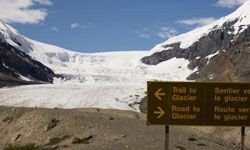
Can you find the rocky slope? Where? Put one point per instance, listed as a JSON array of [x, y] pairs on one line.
[[90, 129], [226, 42], [17, 67]]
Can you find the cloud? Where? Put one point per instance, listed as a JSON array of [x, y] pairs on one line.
[[167, 32], [143, 35], [88, 25], [146, 36], [146, 29], [74, 25], [44, 2], [23, 11], [197, 21], [162, 32], [54, 28], [229, 3]]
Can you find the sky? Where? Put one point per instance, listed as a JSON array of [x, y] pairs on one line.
[[110, 25]]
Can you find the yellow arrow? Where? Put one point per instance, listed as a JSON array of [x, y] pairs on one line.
[[160, 112], [158, 94]]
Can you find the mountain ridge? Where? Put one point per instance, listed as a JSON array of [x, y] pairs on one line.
[[228, 37], [239, 19]]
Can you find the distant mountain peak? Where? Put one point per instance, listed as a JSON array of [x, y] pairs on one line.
[[239, 19], [10, 35]]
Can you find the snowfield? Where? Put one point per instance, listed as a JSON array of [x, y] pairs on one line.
[[111, 80], [108, 67], [73, 96]]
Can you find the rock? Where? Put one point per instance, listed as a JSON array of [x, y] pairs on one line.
[[180, 148], [56, 140], [7, 119], [53, 123], [85, 140], [75, 140], [143, 105], [53, 141], [110, 118], [54, 147], [192, 139], [124, 135], [201, 144], [17, 137], [65, 137]]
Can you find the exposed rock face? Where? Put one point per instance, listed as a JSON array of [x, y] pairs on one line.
[[14, 63], [231, 61], [220, 68], [214, 41], [232, 64]]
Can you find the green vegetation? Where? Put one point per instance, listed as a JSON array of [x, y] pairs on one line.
[[20, 147]]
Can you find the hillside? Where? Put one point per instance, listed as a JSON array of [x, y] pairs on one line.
[[97, 129]]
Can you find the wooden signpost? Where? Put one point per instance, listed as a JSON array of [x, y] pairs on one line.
[[199, 104]]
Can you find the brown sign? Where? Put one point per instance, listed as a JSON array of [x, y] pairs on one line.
[[197, 103]]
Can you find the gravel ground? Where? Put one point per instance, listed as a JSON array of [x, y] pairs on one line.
[[92, 129]]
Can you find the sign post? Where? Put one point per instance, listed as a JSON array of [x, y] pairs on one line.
[[242, 146], [166, 137], [199, 104]]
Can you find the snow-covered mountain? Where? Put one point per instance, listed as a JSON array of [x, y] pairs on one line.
[[88, 68], [105, 80], [219, 51], [226, 38], [238, 22]]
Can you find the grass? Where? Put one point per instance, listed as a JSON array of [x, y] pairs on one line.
[[20, 147]]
